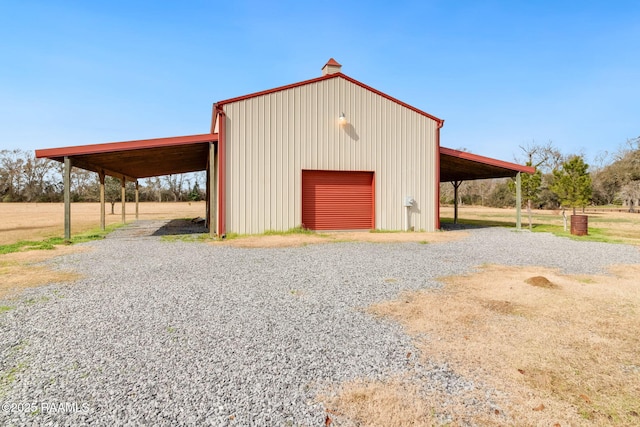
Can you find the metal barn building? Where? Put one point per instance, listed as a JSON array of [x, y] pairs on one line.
[[329, 153]]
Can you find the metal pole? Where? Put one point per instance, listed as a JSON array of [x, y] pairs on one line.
[[67, 198], [456, 185], [137, 198], [518, 201], [213, 188], [102, 212], [123, 182], [207, 200]]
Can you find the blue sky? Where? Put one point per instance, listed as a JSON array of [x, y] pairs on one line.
[[500, 73]]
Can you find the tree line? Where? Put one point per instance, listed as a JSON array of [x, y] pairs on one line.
[[561, 180], [25, 178]]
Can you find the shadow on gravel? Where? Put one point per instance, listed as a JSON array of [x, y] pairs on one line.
[[469, 224], [177, 227], [449, 226]]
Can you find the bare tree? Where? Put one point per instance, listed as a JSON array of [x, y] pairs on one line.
[[36, 175], [630, 193], [84, 185], [11, 182], [175, 185], [545, 157]]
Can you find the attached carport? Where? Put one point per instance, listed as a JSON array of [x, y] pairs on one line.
[[133, 160], [458, 166]]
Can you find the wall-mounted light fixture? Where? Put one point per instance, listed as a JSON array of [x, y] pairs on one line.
[[342, 119]]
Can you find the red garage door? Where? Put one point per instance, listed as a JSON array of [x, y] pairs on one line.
[[337, 200]]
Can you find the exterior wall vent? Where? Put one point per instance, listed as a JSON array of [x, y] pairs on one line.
[[331, 67]]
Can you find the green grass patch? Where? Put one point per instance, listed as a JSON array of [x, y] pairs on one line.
[[291, 231], [32, 301], [294, 230], [52, 242], [8, 376], [596, 234], [5, 308], [381, 230], [232, 235], [202, 237]]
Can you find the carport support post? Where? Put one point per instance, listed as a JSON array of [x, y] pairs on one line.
[[213, 188], [456, 185], [137, 198], [67, 198], [518, 201], [123, 183], [102, 213]]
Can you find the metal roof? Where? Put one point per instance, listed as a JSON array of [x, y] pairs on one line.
[[141, 158], [330, 76], [458, 165], [181, 154]]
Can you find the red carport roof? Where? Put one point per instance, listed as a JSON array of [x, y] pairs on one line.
[[189, 153], [141, 158], [458, 165]]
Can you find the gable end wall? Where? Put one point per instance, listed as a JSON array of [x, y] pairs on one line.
[[271, 138]]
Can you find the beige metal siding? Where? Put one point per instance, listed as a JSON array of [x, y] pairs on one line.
[[270, 139]]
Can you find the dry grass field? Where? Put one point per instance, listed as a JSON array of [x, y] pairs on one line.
[[544, 347], [33, 221], [604, 224], [549, 349]]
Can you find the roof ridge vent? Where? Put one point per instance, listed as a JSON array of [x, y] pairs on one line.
[[331, 67]]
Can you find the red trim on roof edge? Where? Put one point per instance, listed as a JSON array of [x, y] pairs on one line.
[[437, 178], [79, 150], [487, 160], [222, 170], [330, 76]]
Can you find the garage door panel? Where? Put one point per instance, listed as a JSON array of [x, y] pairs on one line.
[[337, 200]]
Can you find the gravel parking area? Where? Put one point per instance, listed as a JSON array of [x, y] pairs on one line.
[[171, 333]]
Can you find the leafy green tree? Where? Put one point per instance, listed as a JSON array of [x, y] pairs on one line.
[[195, 195], [572, 183], [501, 196], [112, 191]]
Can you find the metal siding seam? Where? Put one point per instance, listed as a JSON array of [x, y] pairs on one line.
[[233, 158], [282, 122], [326, 141], [270, 185], [260, 160], [247, 140], [379, 162], [299, 153], [293, 165], [240, 202]]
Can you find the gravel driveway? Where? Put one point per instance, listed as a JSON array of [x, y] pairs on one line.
[[170, 333]]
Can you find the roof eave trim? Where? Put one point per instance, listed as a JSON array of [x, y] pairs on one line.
[[219, 104], [79, 150], [487, 160]]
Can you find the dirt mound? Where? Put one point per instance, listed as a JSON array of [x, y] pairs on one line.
[[541, 282]]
